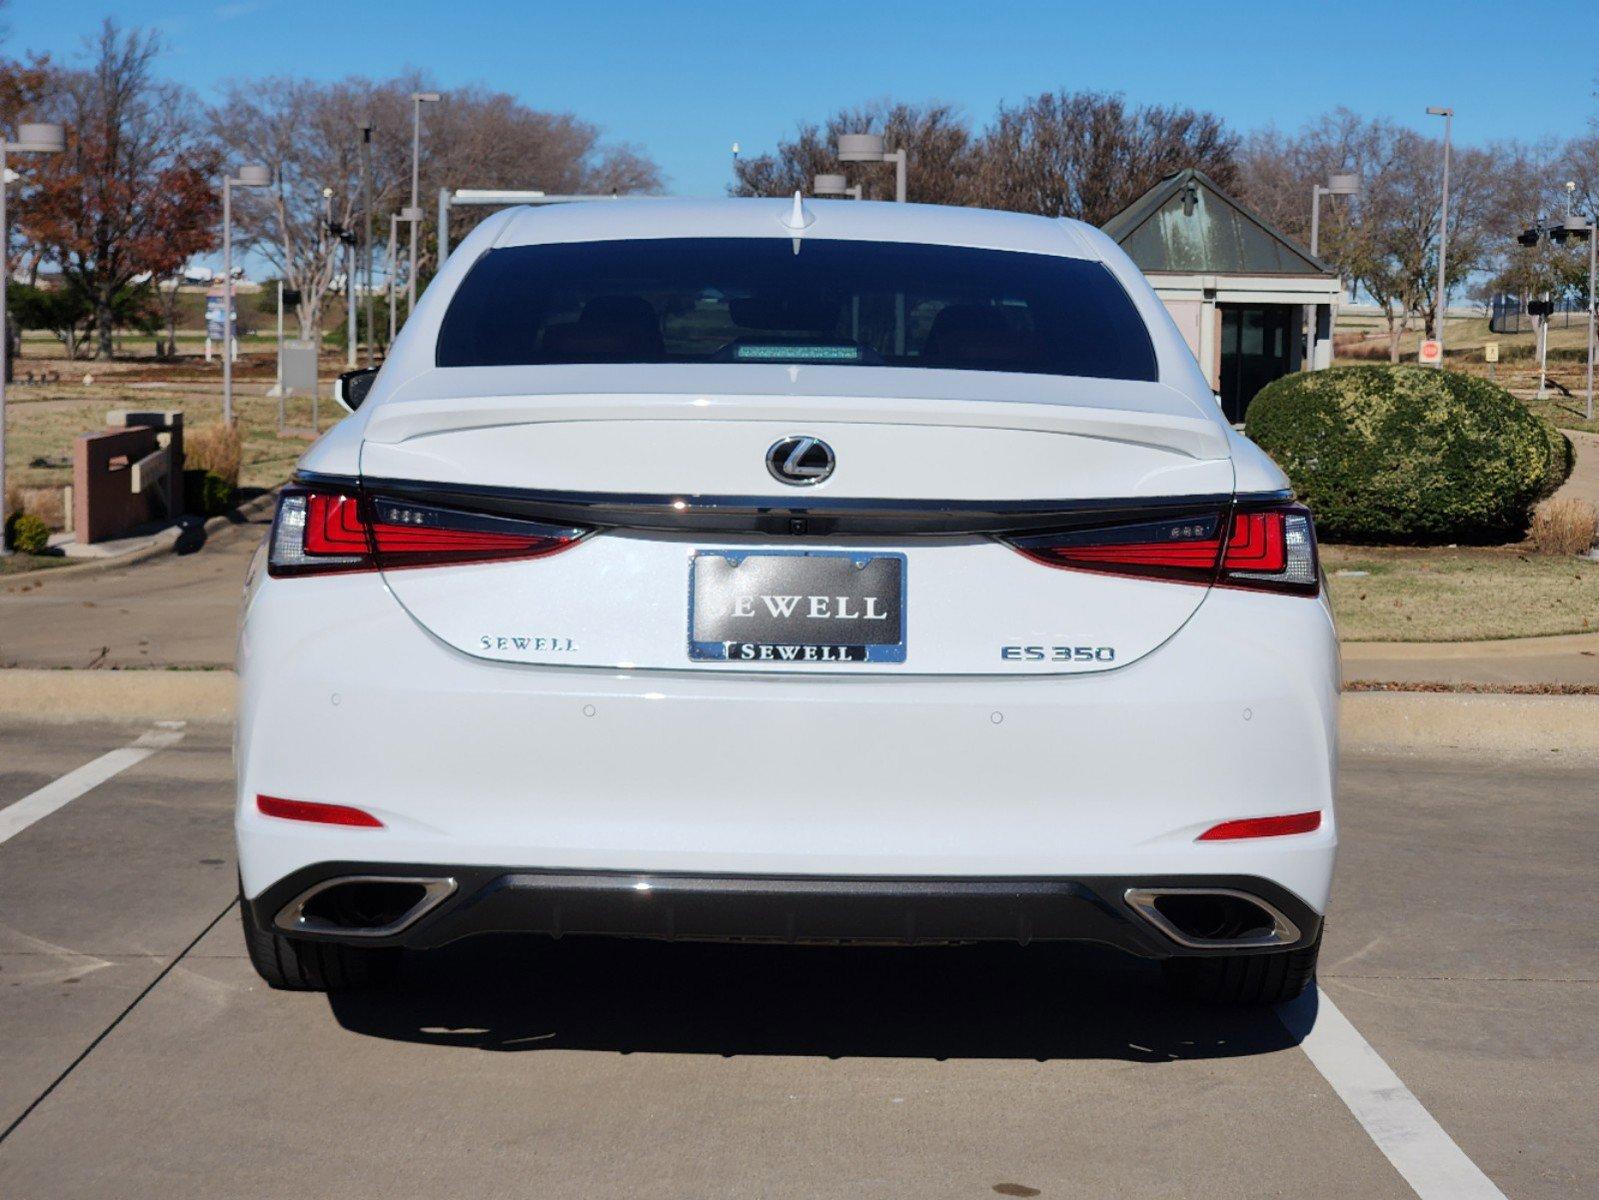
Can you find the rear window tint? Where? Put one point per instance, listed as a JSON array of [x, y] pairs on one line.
[[845, 303]]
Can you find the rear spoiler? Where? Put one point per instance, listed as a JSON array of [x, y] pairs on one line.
[[1144, 414]]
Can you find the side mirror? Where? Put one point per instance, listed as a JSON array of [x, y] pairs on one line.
[[350, 388]]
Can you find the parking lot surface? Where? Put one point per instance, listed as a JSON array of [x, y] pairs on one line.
[[142, 1057]]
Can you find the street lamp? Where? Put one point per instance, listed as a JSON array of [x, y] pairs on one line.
[[418, 99], [1342, 183], [835, 185], [1448, 114], [869, 147], [252, 175], [1584, 229], [31, 139]]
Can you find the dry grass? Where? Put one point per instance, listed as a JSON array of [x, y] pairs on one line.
[[1564, 526], [217, 448], [41, 427], [1458, 594]]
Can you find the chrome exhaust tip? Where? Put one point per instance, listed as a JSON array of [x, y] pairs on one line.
[[1213, 918], [363, 906]]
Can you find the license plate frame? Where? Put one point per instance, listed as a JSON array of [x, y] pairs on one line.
[[888, 647]]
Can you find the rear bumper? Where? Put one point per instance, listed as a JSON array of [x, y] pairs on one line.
[[783, 909], [498, 767]]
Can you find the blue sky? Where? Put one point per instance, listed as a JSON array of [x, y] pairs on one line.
[[684, 80]]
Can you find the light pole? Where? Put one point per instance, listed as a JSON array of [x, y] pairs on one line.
[[1343, 183], [366, 251], [252, 175], [31, 139], [1448, 114], [394, 238], [835, 185], [1586, 229], [418, 99], [869, 147]]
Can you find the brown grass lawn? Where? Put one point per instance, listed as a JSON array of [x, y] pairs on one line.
[[1460, 594], [43, 419]]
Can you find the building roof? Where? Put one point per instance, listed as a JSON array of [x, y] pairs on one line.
[[1186, 224]]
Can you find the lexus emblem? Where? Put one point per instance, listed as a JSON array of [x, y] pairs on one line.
[[800, 461]]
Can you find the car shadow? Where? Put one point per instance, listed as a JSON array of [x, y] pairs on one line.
[[1040, 1002]]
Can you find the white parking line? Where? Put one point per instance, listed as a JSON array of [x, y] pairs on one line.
[[35, 806], [1427, 1157]]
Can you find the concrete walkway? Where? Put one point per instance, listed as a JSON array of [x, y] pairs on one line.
[[1571, 660]]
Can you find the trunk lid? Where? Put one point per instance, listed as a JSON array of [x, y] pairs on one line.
[[690, 516]]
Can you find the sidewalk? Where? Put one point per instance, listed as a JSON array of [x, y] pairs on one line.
[[1571, 660]]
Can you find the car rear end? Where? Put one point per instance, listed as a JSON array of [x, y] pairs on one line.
[[876, 589]]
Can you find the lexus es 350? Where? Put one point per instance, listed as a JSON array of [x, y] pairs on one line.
[[790, 571]]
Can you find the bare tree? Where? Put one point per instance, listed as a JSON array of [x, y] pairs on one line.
[[935, 136], [1387, 238], [1088, 155], [307, 132]]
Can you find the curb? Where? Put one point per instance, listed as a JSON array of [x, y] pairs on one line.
[[1384, 722], [68, 695], [257, 506]]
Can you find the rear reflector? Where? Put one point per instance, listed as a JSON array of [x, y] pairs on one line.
[[1270, 548], [321, 814], [1259, 827], [318, 531]]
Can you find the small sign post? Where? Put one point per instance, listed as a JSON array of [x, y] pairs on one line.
[[1490, 355], [1432, 353]]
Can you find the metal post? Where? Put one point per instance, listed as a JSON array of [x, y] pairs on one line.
[[5, 340], [227, 299], [394, 236], [366, 252], [416, 186], [444, 225], [1593, 302], [1448, 114], [1316, 193], [900, 158], [351, 337]]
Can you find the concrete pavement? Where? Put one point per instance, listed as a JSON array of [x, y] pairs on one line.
[[1461, 944]]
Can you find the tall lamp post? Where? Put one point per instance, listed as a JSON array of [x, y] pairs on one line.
[[418, 99], [31, 139], [1448, 114], [869, 147], [252, 175], [366, 245], [1343, 183], [1585, 229], [835, 185]]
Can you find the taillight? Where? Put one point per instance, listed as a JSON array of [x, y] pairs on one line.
[[1267, 548], [318, 531], [1259, 827], [316, 812]]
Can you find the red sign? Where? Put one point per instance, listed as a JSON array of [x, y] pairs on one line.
[[1432, 353]]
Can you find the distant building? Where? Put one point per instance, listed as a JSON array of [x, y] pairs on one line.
[[1247, 298]]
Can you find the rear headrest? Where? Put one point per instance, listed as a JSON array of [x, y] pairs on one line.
[[609, 329], [973, 335]]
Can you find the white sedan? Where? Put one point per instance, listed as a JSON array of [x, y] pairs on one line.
[[790, 571]]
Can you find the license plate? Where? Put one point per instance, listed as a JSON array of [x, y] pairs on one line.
[[802, 606]]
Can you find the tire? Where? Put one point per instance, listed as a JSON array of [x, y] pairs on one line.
[[1243, 978], [302, 965]]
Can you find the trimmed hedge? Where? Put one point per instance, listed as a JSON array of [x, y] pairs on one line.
[[1409, 453]]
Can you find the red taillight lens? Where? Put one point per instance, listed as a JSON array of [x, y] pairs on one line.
[[319, 531], [1259, 827], [316, 812], [1272, 549]]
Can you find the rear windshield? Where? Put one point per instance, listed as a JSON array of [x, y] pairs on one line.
[[779, 300]]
